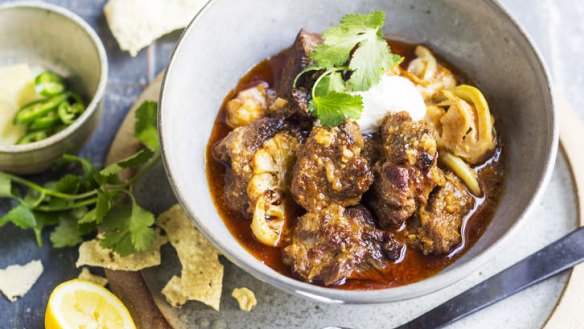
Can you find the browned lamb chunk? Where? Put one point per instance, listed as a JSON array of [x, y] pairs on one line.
[[297, 59], [338, 243], [331, 169], [436, 227], [392, 198], [373, 148], [407, 172]]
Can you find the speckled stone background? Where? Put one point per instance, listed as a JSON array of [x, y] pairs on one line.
[[557, 28]]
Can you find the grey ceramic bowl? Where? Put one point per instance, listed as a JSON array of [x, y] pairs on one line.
[[54, 38], [229, 37]]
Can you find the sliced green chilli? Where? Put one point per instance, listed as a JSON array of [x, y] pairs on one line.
[[66, 113], [48, 121], [78, 100], [38, 109], [49, 84], [32, 137]]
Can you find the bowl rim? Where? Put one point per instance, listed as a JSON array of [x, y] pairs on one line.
[[429, 285], [101, 87]]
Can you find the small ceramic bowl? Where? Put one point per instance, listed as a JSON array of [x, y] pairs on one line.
[[479, 37], [53, 38]]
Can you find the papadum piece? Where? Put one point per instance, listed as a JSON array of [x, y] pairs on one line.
[[201, 277], [91, 253], [137, 23], [86, 275], [16, 280]]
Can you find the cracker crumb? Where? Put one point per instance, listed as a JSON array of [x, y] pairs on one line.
[[245, 297]]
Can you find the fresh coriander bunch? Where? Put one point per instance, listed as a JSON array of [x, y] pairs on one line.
[[79, 205], [353, 57]]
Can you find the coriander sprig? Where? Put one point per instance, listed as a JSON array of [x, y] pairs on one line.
[[354, 48], [80, 205]]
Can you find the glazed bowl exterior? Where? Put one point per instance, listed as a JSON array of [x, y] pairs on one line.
[[229, 37], [54, 38]]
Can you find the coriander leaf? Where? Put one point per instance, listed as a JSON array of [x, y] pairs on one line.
[[373, 20], [136, 159], [145, 129], [333, 108], [116, 227], [103, 205], [20, 216], [50, 185], [43, 220], [329, 82], [78, 212], [369, 62], [47, 218], [33, 198], [69, 184], [142, 233], [128, 229], [67, 233], [355, 46], [5, 186], [340, 40], [89, 217], [67, 159], [329, 56], [108, 174]]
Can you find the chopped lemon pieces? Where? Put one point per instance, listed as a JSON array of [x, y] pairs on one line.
[[81, 304]]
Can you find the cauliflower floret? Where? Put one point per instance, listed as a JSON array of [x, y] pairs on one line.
[[271, 166], [248, 106], [429, 76], [269, 218]]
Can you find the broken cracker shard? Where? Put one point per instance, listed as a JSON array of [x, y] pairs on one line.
[[16, 280], [86, 275], [202, 274], [91, 253], [245, 298], [137, 23]]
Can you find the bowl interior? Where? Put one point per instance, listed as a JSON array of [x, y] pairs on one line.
[[47, 37], [54, 42], [476, 36]]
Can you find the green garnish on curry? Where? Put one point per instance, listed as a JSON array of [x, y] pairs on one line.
[[353, 57]]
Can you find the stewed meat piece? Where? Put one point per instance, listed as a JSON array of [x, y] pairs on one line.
[[435, 229], [408, 142], [239, 152], [373, 148], [336, 243], [331, 169], [407, 171], [392, 197], [297, 59]]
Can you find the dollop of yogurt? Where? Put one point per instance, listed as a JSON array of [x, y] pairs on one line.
[[391, 95]]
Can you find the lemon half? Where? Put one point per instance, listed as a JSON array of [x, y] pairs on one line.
[[81, 304]]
